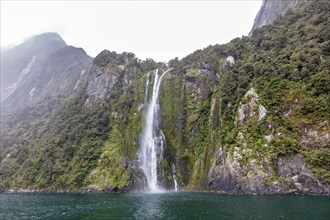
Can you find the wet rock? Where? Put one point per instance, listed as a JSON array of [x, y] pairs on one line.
[[137, 180]]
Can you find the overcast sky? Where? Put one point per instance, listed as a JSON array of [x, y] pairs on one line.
[[161, 30]]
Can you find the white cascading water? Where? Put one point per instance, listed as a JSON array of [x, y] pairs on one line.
[[152, 138], [176, 186], [146, 91]]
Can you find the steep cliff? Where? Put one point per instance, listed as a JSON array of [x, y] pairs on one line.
[[250, 116], [237, 118], [271, 10], [42, 67]]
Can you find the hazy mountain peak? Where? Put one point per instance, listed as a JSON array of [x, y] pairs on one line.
[[37, 68], [48, 37]]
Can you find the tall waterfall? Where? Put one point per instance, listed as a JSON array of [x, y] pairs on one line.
[[152, 138]]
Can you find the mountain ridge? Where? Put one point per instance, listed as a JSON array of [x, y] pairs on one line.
[[247, 117], [25, 84]]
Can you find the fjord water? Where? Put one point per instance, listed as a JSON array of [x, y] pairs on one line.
[[161, 206]]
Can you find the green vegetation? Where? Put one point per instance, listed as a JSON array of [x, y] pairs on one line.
[[60, 149], [287, 64]]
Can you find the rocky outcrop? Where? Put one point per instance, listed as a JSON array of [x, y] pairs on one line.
[[242, 169], [312, 139], [227, 62], [297, 175], [107, 71], [270, 10], [250, 108], [231, 173]]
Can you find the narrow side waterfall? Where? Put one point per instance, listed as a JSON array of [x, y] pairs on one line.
[[176, 186], [152, 138], [146, 91]]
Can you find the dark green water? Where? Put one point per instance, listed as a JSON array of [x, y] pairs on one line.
[[161, 206]]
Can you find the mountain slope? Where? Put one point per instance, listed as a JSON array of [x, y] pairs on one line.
[[250, 116], [42, 67], [16, 59]]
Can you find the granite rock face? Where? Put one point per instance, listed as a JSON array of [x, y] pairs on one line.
[[243, 171], [107, 72], [231, 174], [270, 10], [251, 108], [298, 176]]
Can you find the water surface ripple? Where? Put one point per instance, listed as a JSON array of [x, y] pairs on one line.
[[182, 205]]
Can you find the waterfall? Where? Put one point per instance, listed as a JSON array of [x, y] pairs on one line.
[[176, 186], [152, 138], [146, 91]]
